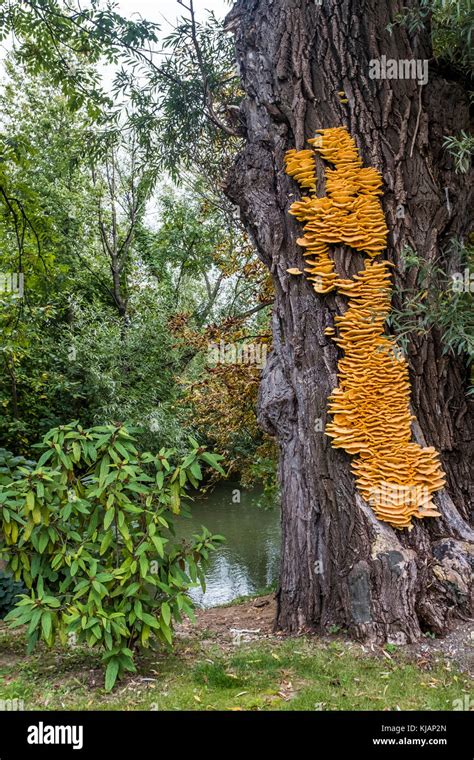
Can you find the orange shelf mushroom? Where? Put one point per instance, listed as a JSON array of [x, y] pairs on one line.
[[301, 165], [370, 408]]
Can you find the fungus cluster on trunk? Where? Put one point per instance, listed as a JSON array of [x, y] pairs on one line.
[[370, 408]]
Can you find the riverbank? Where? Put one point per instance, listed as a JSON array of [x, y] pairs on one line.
[[230, 659]]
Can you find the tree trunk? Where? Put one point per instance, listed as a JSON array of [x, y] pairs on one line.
[[339, 564]]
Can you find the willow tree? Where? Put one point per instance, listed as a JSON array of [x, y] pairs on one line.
[[306, 66]]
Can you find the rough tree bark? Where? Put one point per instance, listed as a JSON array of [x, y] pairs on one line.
[[339, 564]]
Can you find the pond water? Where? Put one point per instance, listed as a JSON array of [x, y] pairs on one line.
[[248, 561]]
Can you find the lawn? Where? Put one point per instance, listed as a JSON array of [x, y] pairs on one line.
[[204, 673]]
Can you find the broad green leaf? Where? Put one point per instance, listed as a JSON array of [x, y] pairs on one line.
[[144, 565], [158, 543], [43, 541], [51, 601], [111, 674], [150, 620], [44, 457], [166, 612], [108, 519], [46, 623], [104, 469], [212, 460], [175, 498], [132, 589], [106, 541], [196, 471], [166, 631]]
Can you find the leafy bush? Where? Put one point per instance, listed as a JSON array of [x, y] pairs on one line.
[[9, 464], [90, 530], [9, 591]]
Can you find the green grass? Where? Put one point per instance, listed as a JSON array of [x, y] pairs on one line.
[[275, 674]]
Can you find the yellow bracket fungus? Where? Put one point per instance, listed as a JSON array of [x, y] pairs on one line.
[[370, 408], [301, 165]]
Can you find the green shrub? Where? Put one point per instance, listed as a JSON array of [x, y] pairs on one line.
[[9, 464], [90, 531], [9, 591]]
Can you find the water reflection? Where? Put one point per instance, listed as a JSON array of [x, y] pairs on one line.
[[249, 559]]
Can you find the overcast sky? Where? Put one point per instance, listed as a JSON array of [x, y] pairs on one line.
[[159, 10]]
